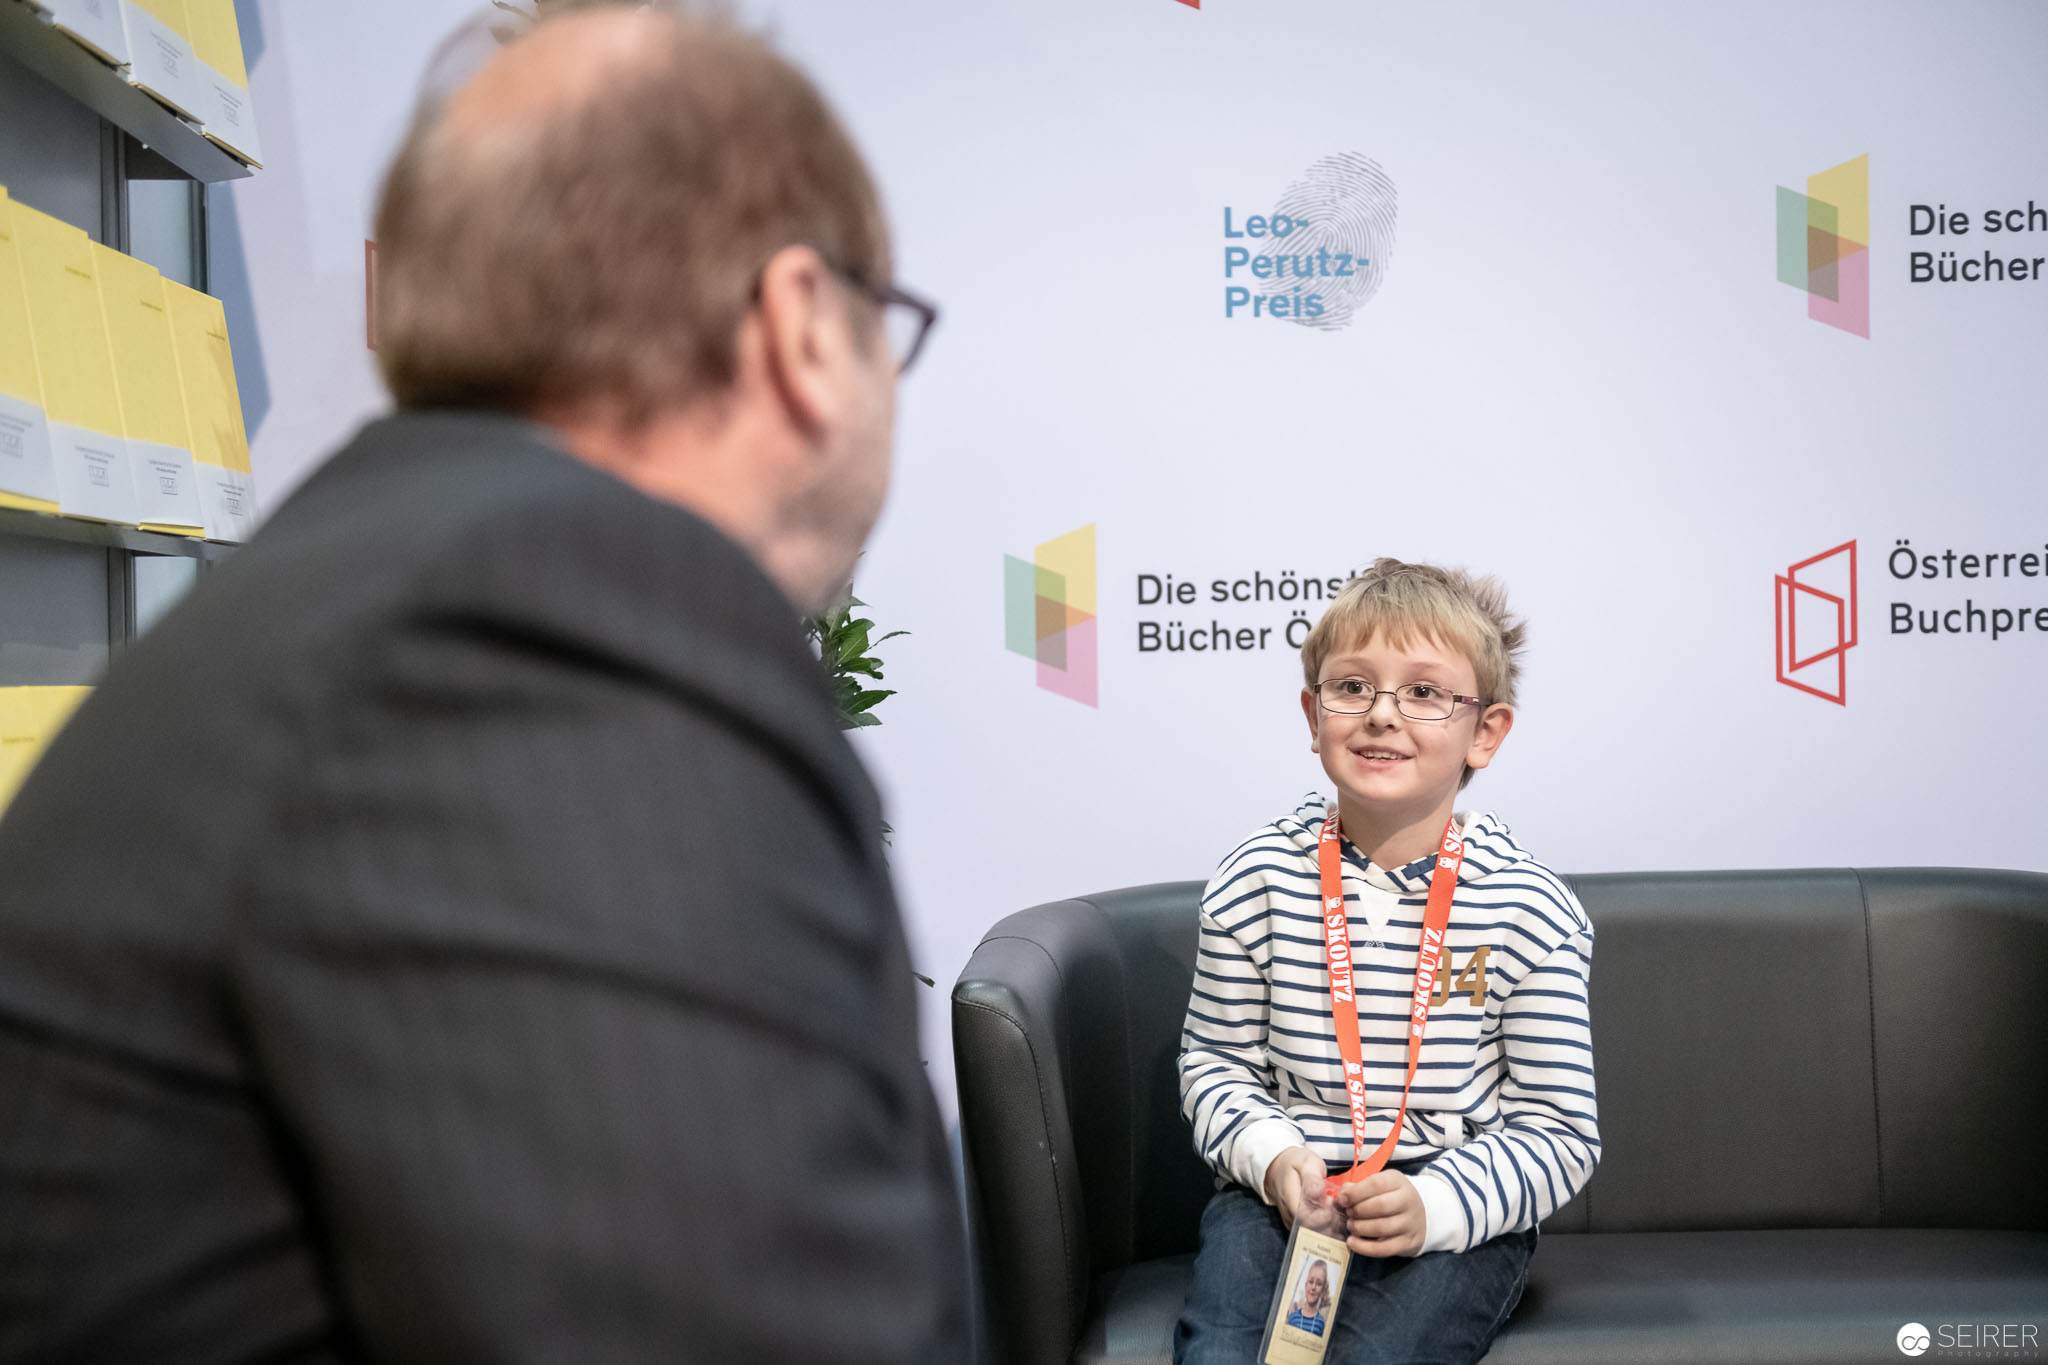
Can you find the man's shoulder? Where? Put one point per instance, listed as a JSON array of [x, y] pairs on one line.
[[432, 545], [484, 522], [403, 494], [416, 486]]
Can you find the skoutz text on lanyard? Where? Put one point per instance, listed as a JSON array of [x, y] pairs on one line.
[[1443, 885]]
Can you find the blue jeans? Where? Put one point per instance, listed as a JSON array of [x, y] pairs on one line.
[[1415, 1310]]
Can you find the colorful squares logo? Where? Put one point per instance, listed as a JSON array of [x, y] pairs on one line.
[[1817, 623], [1049, 613], [1824, 244]]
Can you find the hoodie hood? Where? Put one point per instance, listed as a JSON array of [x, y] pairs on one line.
[[1489, 848]]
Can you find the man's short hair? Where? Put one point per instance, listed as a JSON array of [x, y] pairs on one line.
[[606, 245], [1405, 603]]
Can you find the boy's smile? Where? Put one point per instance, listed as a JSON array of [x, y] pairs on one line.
[[1397, 777]]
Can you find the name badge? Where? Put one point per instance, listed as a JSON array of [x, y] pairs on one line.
[[1304, 1310]]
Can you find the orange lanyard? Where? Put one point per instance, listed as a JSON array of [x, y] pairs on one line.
[[1443, 885]]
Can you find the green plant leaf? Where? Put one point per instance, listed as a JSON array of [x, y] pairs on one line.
[[865, 700], [845, 644], [851, 641]]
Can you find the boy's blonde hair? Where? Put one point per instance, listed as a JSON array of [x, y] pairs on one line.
[[1407, 602]]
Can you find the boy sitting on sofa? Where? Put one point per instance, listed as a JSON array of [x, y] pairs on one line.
[[1436, 1188]]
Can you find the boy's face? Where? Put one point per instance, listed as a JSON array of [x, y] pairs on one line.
[[1386, 763], [1318, 1282]]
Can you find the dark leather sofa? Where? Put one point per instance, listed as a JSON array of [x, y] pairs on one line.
[[1823, 1103]]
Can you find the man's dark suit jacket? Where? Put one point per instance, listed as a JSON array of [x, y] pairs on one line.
[[460, 933]]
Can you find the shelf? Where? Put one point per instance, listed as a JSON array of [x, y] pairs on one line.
[[44, 526], [42, 49]]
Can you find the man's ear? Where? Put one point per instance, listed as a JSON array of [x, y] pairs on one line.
[[805, 339], [1493, 729], [1308, 709]]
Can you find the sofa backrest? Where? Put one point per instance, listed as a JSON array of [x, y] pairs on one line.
[[1828, 1048], [1831, 1048]]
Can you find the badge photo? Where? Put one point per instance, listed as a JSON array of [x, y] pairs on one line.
[[1304, 1308]]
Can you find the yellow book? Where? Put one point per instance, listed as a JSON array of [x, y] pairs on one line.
[[152, 399], [30, 718], [227, 116], [213, 404], [60, 281], [217, 39], [172, 14], [28, 476], [94, 25], [160, 57]]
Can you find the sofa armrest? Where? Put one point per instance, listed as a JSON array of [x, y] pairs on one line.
[[1013, 1051]]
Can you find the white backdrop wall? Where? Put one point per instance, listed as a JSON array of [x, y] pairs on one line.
[[1578, 370]]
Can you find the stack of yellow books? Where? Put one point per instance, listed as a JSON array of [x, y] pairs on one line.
[[187, 54], [117, 388]]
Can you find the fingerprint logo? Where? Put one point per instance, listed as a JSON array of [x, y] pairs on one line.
[[1345, 206]]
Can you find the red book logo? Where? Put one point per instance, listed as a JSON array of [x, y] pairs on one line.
[[1816, 612]]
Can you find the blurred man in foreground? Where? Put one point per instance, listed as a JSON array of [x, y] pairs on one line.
[[459, 932]]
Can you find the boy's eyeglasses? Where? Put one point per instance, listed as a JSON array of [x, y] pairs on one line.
[[1417, 701]]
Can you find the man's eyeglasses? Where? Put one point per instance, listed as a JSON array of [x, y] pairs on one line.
[[906, 319], [1417, 701]]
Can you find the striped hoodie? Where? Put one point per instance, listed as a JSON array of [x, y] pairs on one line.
[[1503, 1099]]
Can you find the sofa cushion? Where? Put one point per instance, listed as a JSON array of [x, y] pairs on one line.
[[1815, 1296], [1132, 1312], [1688, 1298]]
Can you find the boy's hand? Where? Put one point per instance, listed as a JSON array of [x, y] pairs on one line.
[[1294, 1186], [1384, 1215]]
